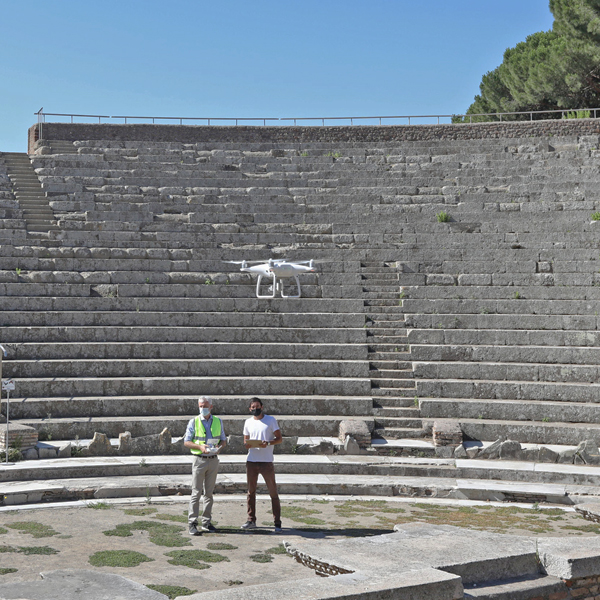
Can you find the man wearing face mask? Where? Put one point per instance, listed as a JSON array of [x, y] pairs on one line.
[[261, 433], [205, 437]]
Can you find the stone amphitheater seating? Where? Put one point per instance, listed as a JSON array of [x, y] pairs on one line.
[[124, 315]]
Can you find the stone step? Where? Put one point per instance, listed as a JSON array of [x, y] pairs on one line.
[[523, 588], [85, 427], [190, 350], [149, 405], [559, 356], [51, 387], [504, 337], [382, 394], [45, 341], [390, 374], [186, 367], [398, 422], [391, 433], [507, 390], [155, 486]]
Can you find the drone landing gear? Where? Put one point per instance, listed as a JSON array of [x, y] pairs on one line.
[[276, 286]]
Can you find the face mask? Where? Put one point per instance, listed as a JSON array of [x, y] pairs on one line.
[[205, 412], [257, 412]]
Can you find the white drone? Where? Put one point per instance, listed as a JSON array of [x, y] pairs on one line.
[[276, 269]]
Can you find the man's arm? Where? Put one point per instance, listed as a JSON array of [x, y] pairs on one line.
[[200, 447], [277, 440]]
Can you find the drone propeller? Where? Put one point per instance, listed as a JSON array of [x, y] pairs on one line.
[[242, 262]]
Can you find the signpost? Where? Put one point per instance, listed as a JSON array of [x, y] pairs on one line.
[[10, 385], [7, 386]]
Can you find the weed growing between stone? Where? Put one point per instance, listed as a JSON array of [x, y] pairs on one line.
[[233, 582], [100, 505], [171, 591], [160, 534], [37, 530], [118, 558], [7, 570], [195, 559]]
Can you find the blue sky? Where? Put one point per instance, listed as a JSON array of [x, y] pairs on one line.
[[250, 58]]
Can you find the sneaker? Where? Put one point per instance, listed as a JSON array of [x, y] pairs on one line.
[[248, 525], [210, 528], [278, 528], [193, 529]]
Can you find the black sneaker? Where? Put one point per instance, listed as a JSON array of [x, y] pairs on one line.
[[193, 529], [278, 528], [210, 528]]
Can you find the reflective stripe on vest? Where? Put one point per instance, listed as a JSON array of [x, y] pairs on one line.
[[200, 432]]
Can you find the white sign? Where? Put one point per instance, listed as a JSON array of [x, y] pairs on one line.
[[8, 385]]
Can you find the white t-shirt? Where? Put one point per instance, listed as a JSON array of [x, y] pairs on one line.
[[261, 429]]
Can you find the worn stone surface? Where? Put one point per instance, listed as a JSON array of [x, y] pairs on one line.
[[69, 585]]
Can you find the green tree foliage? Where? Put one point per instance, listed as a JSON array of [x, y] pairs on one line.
[[550, 70]]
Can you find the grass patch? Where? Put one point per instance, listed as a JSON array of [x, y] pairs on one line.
[[3, 530], [140, 512], [7, 570], [583, 529], [195, 559], [99, 505], [276, 550], [7, 549], [172, 591], [262, 558], [37, 530], [160, 534], [220, 546], [166, 517], [302, 515], [118, 558], [37, 550], [233, 582]]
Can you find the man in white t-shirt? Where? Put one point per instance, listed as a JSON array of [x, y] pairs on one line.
[[261, 433]]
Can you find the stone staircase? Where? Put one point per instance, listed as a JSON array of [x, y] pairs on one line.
[[390, 367], [36, 209]]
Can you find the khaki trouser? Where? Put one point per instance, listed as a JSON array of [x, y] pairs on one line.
[[204, 477], [266, 469]]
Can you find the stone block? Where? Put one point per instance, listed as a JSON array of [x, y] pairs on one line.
[[492, 451], [351, 445], [588, 452], [100, 445], [64, 450], [30, 454], [510, 450], [356, 428], [47, 452], [447, 433], [547, 455], [460, 452]]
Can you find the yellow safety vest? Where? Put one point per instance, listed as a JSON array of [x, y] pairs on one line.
[[200, 432]]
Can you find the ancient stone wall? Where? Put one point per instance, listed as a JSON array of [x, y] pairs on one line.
[[362, 133]]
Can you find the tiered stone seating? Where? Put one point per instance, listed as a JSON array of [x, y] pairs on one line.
[[125, 315]]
